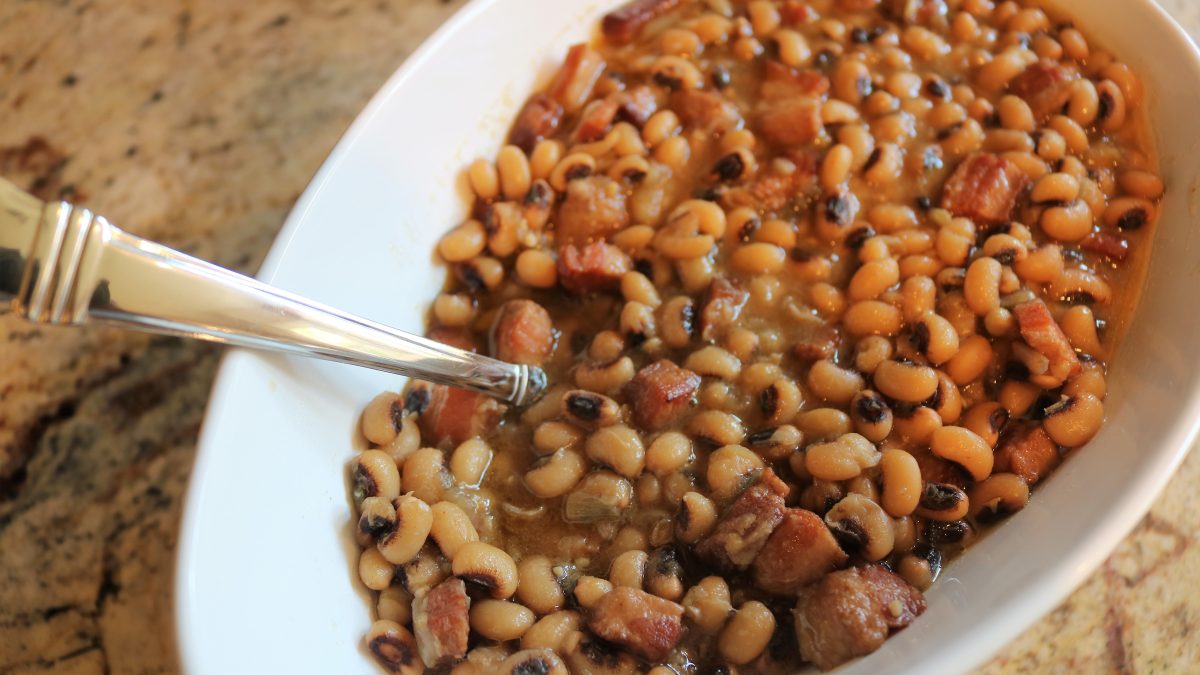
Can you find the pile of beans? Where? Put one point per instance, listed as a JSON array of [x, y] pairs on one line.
[[822, 289]]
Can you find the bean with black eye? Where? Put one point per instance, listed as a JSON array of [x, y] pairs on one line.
[[775, 443], [395, 604], [987, 419], [394, 647], [425, 475], [414, 520], [664, 574], [905, 381], [696, 517], [946, 533], [601, 495], [1001, 495], [734, 166], [780, 401], [934, 338], [835, 214], [942, 501], [374, 570], [375, 475], [533, 662], [1073, 421], [382, 418], [590, 410], [377, 518], [861, 526], [551, 630], [451, 527], [871, 415], [921, 567], [487, 566]]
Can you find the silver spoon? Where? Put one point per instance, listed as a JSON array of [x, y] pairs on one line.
[[64, 265]]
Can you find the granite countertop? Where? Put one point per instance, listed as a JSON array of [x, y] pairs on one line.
[[199, 124]]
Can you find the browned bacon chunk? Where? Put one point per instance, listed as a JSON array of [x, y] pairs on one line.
[[660, 393], [572, 87], [800, 551], [850, 613], [783, 81], [744, 528], [453, 415], [722, 307], [1111, 246], [441, 623], [596, 119], [1027, 451], [624, 23], [772, 191], [794, 120], [1041, 331], [637, 104], [706, 110], [815, 339], [1045, 86], [594, 207], [537, 120], [645, 624], [593, 267], [522, 333], [984, 188]]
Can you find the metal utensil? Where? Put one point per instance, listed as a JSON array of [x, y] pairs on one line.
[[63, 265]]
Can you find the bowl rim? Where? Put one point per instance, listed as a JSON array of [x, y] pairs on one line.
[[976, 643]]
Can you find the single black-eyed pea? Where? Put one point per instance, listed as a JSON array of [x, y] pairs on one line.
[[677, 321], [668, 452], [487, 566], [1112, 111], [747, 633], [942, 501], [637, 323], [707, 605], [905, 381], [376, 518], [374, 570], [863, 485], [861, 526], [537, 585], [823, 423], [712, 361], [1076, 284], [973, 356], [375, 475], [425, 571], [775, 443], [500, 620], [696, 517], [871, 415], [664, 574], [870, 351], [999, 322], [601, 495], [872, 317], [921, 567], [394, 647], [1001, 495], [730, 469], [780, 401], [606, 378], [901, 482], [981, 285], [833, 383], [841, 459], [629, 569], [590, 410], [451, 527], [382, 418], [589, 590], [1079, 325], [965, 448], [550, 631], [618, 447], [873, 278], [917, 425], [470, 460], [556, 474], [543, 661], [550, 436], [414, 520], [395, 604], [836, 213], [1017, 397], [716, 427], [1068, 222], [1089, 380], [1073, 421], [425, 475], [934, 338], [758, 376], [986, 419], [947, 401]]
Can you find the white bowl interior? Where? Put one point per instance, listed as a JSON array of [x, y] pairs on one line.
[[267, 571]]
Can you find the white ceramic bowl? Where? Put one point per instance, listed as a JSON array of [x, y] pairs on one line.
[[266, 577]]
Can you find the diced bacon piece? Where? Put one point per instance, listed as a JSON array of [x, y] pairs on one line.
[[522, 333], [722, 306], [782, 81], [794, 120], [637, 104], [597, 119], [623, 24], [645, 624], [1111, 246], [660, 393], [771, 191], [454, 415], [572, 87], [815, 339], [746, 525], [1027, 451], [593, 208], [1045, 86], [594, 267], [923, 12], [1041, 331], [441, 623], [706, 110], [934, 469], [800, 551], [538, 119], [984, 188], [850, 613]]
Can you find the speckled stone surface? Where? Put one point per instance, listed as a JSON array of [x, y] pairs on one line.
[[198, 123]]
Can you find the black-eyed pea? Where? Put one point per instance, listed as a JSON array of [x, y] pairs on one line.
[[636, 287], [1001, 495], [550, 631], [629, 569], [463, 242], [965, 448], [425, 571], [664, 574], [861, 527], [374, 570], [590, 410], [1113, 110], [376, 518], [1089, 380], [618, 447], [901, 482], [470, 460], [833, 383], [981, 286], [1069, 222], [537, 585], [986, 419], [1141, 184], [884, 165], [942, 502], [872, 317], [551, 436], [696, 517], [668, 452], [606, 378], [918, 295], [758, 258], [714, 361], [716, 427], [917, 426], [824, 423], [873, 278], [1074, 135], [500, 620], [836, 213], [999, 322], [775, 443], [375, 475], [730, 469], [947, 401], [1042, 265], [451, 528], [394, 647], [1079, 325], [841, 459], [395, 604], [870, 351], [871, 415], [707, 605], [695, 274], [904, 532], [589, 590], [542, 661], [556, 474], [973, 356], [677, 322], [905, 381], [487, 566], [1077, 283], [835, 167], [425, 475], [414, 520], [382, 418], [747, 634], [828, 300], [1074, 420], [1005, 248], [1017, 396], [601, 495], [934, 338]]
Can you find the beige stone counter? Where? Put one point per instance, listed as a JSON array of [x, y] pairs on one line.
[[198, 123]]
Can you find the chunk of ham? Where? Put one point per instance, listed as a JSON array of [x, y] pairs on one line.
[[722, 306], [635, 105], [984, 188], [794, 120], [644, 624], [572, 86], [1027, 451], [538, 119], [660, 393], [453, 415], [593, 208], [1045, 86], [850, 613], [592, 267], [441, 623], [744, 528], [706, 110], [1040, 331], [1111, 246], [623, 24], [522, 333], [800, 551]]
